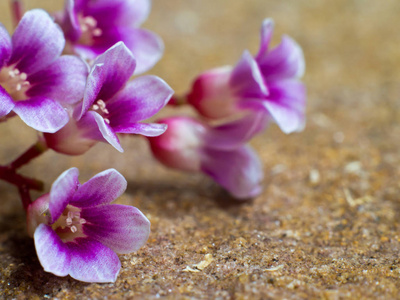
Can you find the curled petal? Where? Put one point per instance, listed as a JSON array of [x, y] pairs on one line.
[[107, 131], [267, 30], [37, 42], [62, 191], [238, 171], [42, 114], [100, 189], [246, 79], [150, 130], [122, 228]]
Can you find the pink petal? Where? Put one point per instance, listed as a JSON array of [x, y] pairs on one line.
[[140, 99], [91, 261], [246, 79], [122, 228], [103, 188], [37, 42], [107, 131], [286, 104], [239, 171], [151, 130], [236, 133], [283, 62], [64, 80], [62, 192], [42, 114], [267, 30], [6, 102], [5, 46], [110, 72], [53, 254]]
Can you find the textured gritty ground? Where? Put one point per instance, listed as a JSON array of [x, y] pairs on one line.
[[326, 225]]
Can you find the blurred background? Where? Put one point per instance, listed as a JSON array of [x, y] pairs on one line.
[[326, 225]]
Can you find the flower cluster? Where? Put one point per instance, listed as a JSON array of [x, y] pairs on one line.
[[257, 90], [72, 76]]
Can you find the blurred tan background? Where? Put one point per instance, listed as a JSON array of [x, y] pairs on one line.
[[326, 225]]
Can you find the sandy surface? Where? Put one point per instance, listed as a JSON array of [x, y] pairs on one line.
[[326, 225]]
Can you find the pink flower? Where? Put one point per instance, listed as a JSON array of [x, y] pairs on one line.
[[93, 26], [268, 82], [112, 105], [218, 151], [35, 82], [77, 231]]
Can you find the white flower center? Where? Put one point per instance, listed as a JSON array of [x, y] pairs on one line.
[[89, 30], [14, 82], [101, 109], [69, 225]]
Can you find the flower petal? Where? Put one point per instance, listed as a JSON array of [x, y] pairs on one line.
[[62, 192], [238, 171], [103, 188], [146, 46], [6, 102], [267, 30], [53, 254], [107, 131], [69, 20], [246, 79], [42, 114], [234, 134], [284, 61], [110, 13], [151, 130], [110, 72], [5, 46], [122, 228], [211, 94], [140, 99], [37, 42], [64, 80], [92, 262], [286, 104]]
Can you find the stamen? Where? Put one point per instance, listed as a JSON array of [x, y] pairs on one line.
[[74, 229], [97, 32], [23, 76], [107, 120]]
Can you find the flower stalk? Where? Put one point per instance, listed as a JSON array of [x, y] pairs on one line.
[[34, 151]]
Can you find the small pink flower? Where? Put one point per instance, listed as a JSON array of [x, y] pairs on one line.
[[218, 151], [35, 82], [93, 26], [112, 104], [268, 82], [77, 231]]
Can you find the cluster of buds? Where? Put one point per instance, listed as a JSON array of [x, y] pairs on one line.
[[68, 76]]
